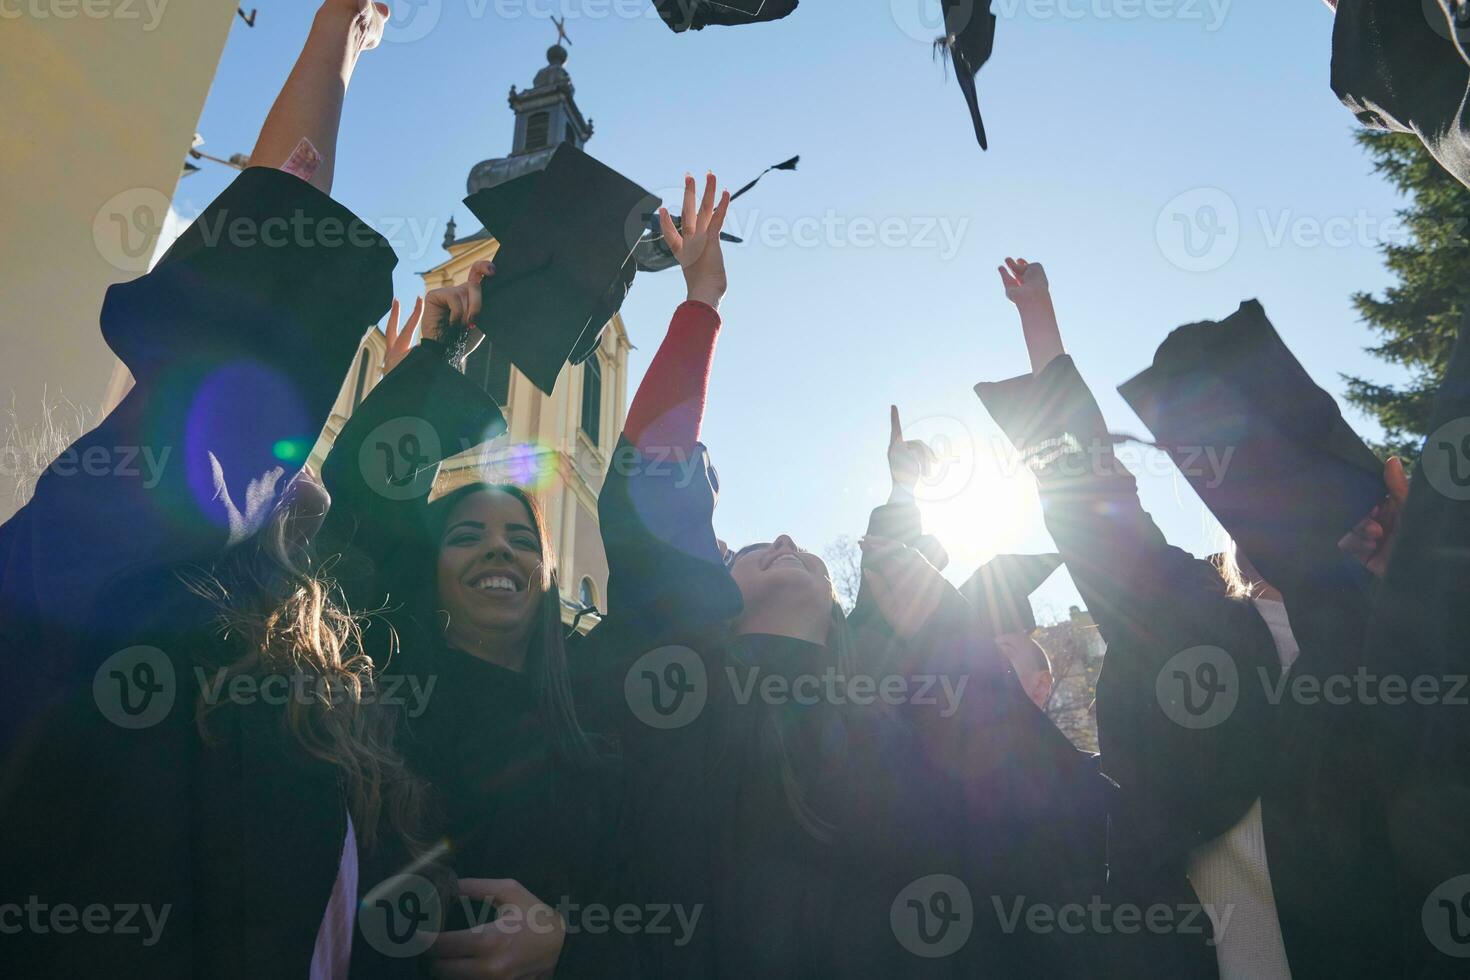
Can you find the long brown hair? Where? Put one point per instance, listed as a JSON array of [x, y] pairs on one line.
[[546, 651], [289, 619]]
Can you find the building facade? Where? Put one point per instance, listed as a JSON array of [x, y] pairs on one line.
[[557, 447], [101, 103], [1076, 649]]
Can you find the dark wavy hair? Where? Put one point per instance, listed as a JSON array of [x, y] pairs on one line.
[[546, 651], [774, 742]]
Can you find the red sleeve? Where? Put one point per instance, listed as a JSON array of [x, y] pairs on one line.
[[668, 409]]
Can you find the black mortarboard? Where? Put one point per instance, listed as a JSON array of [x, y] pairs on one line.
[[1000, 591], [969, 40], [1265, 448], [696, 15], [1403, 65], [565, 262], [654, 254]]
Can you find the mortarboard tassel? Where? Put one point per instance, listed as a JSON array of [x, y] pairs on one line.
[[968, 41], [947, 47], [655, 255], [788, 165]]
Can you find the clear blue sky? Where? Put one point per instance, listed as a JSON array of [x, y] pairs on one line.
[[850, 295]]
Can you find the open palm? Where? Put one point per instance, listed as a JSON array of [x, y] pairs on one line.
[[696, 244]]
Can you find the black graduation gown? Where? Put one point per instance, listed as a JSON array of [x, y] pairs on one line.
[[1184, 785], [1013, 775], [710, 828], [899, 797], [668, 590], [1420, 626], [514, 808], [235, 345]]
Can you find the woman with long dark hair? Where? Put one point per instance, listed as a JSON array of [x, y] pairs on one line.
[[528, 804]]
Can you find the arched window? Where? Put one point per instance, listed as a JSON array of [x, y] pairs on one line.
[[362, 370], [587, 592], [592, 399]]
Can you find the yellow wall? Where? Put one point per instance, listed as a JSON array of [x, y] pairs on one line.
[[98, 104]]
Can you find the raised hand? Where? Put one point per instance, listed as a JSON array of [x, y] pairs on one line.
[[909, 461], [524, 940], [1026, 286], [1372, 541], [309, 106], [906, 589], [697, 243], [400, 342], [1024, 281], [451, 312], [367, 20]]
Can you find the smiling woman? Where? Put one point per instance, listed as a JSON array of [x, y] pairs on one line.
[[493, 573]]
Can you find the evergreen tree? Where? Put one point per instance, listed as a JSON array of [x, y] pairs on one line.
[[1419, 317]]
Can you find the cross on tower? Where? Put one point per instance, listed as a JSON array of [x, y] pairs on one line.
[[561, 30]]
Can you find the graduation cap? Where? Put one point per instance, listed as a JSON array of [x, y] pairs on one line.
[[1265, 448], [1000, 591], [565, 262], [654, 254], [686, 15], [969, 40], [1404, 65]]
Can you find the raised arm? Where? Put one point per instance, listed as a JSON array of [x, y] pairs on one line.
[[300, 133], [1026, 286], [657, 504], [668, 408], [238, 341], [1152, 602]]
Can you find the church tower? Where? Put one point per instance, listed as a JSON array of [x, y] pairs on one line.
[[546, 115]]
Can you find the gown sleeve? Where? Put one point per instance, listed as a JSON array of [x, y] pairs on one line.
[[239, 340], [1159, 610], [667, 580]]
